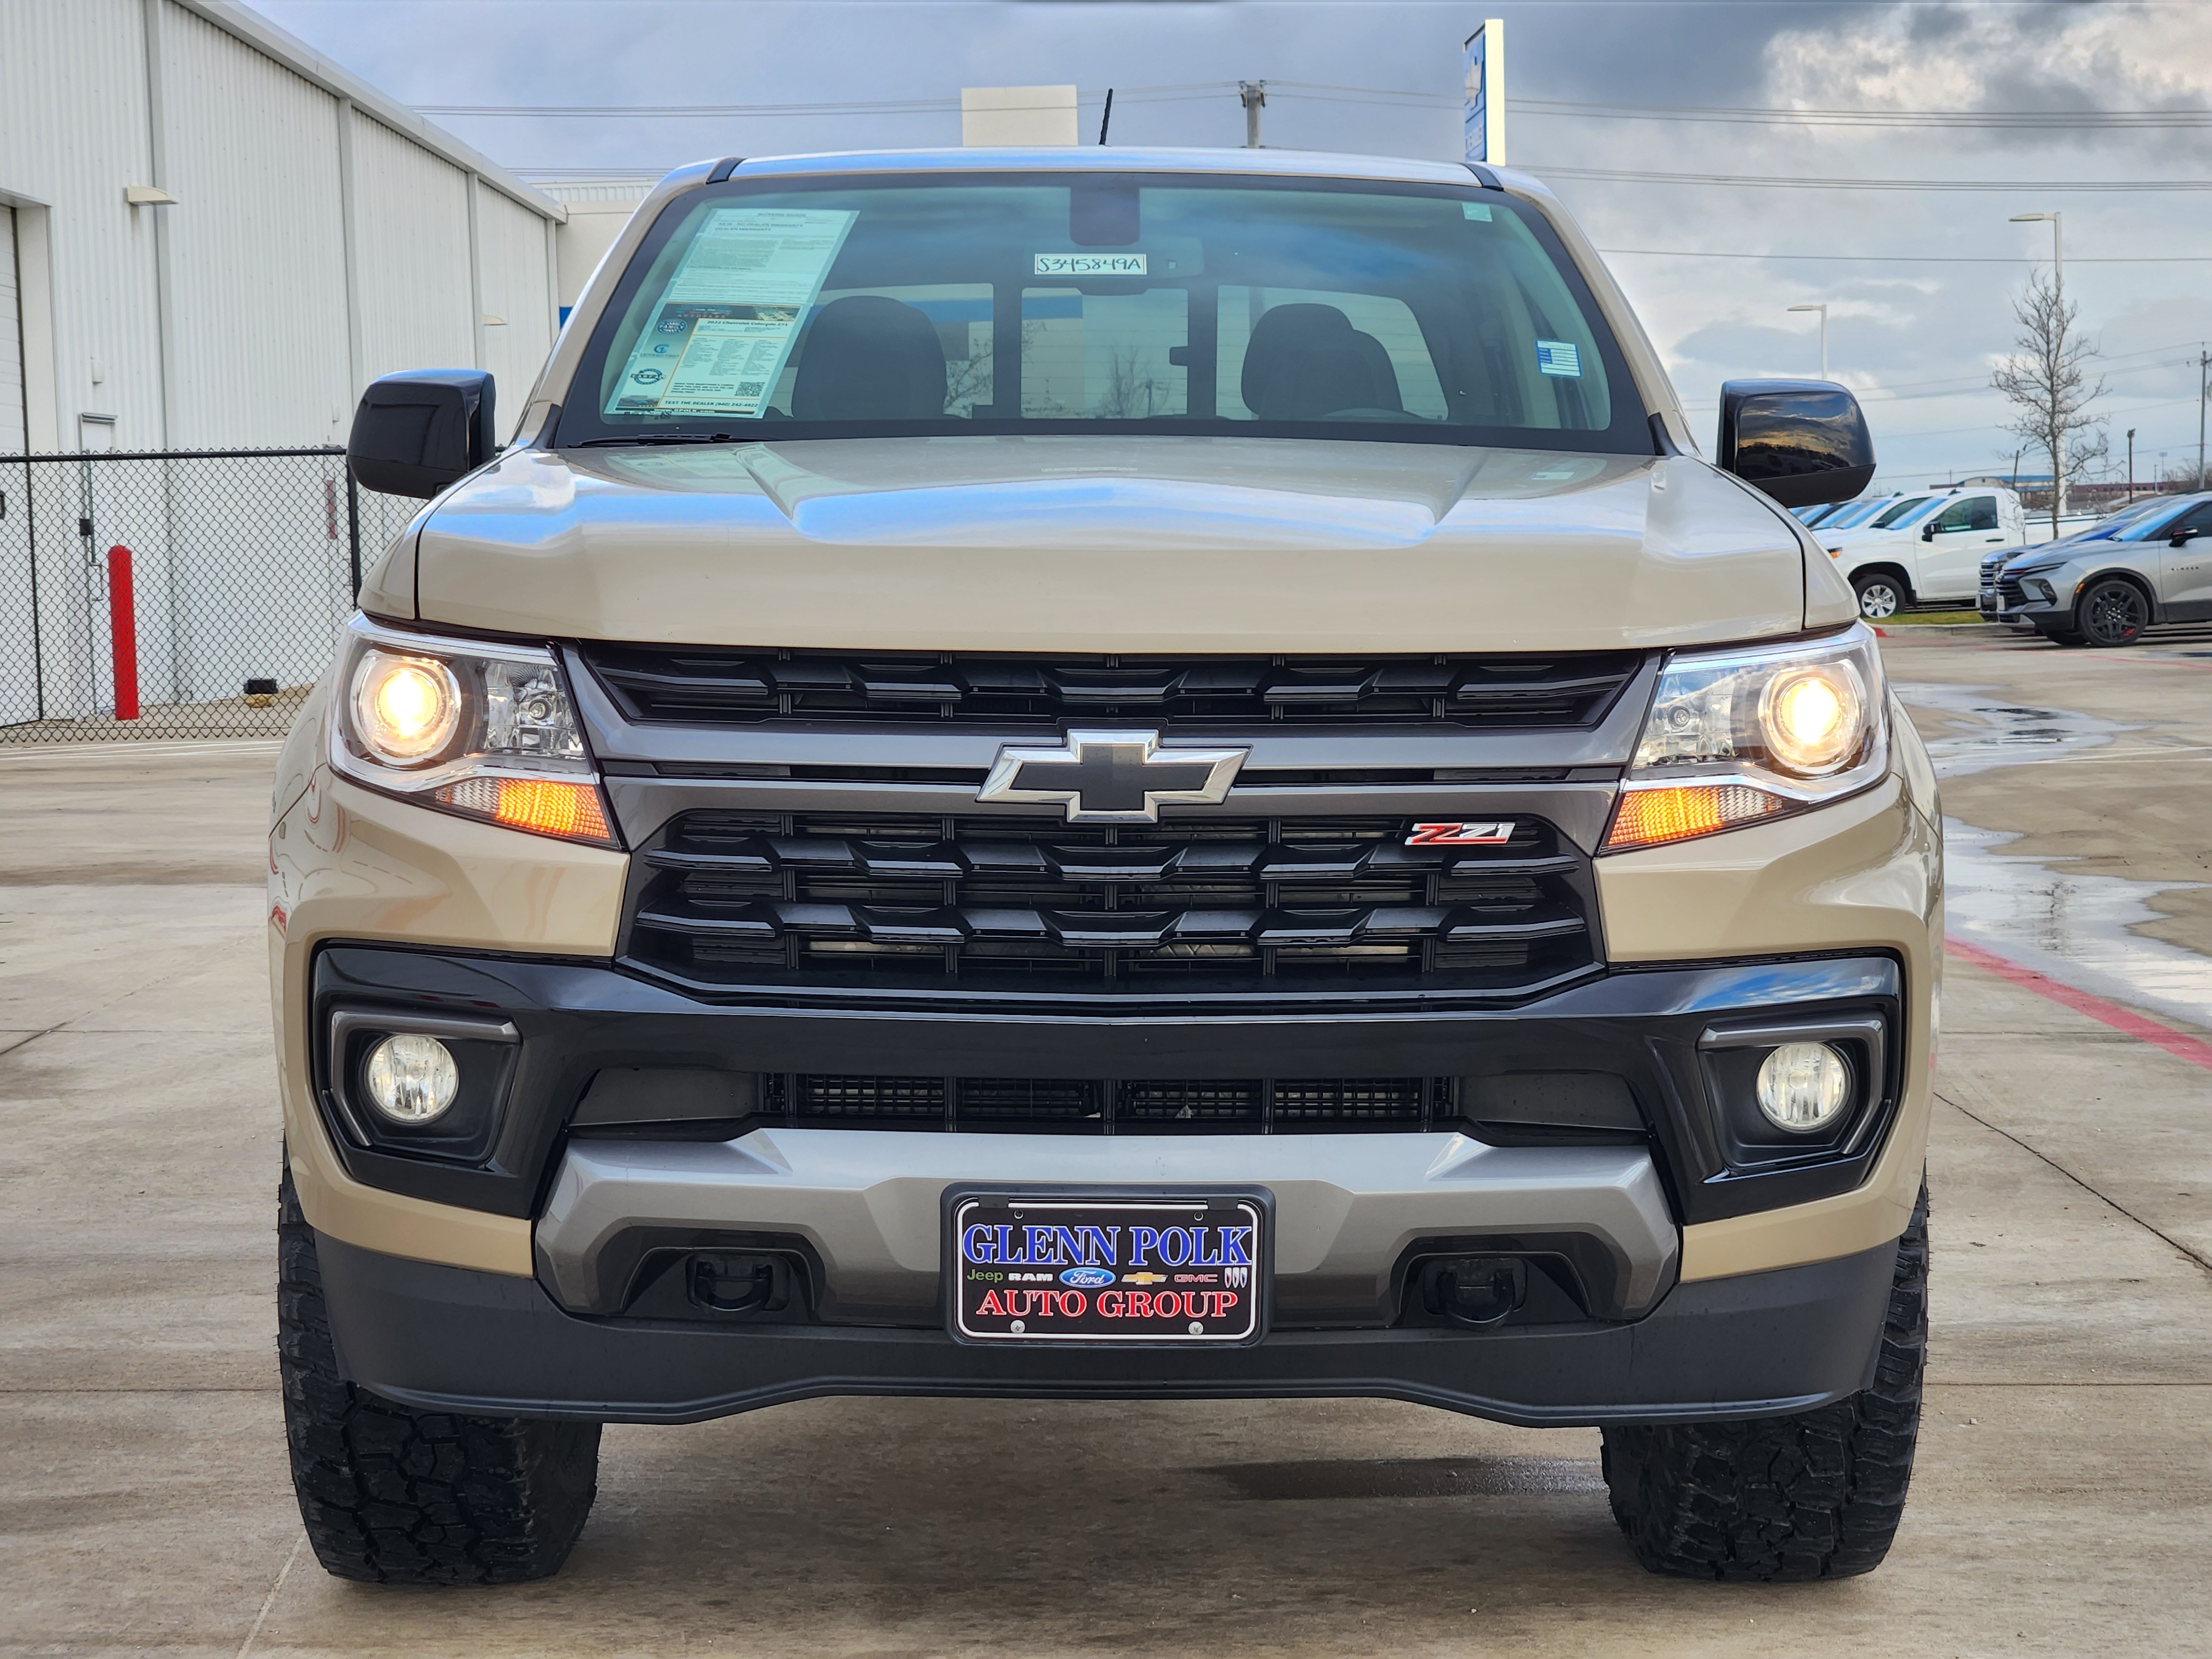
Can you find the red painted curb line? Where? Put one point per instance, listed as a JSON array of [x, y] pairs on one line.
[[2194, 1050]]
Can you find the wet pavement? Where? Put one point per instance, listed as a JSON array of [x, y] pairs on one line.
[[2064, 1487]]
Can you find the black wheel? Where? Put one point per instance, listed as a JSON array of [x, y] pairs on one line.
[[1881, 594], [391, 1496], [1784, 1500], [2113, 612]]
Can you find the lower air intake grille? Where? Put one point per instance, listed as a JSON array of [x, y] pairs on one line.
[[1085, 1105]]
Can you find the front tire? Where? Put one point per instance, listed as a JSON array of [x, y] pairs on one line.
[[1784, 1500], [1881, 595], [2112, 613], [393, 1496]]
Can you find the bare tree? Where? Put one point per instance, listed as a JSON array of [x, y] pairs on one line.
[[1129, 394], [2046, 380]]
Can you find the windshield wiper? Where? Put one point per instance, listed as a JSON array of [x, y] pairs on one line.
[[659, 438]]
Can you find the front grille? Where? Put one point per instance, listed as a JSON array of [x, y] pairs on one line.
[[699, 686], [1097, 1106], [1035, 904], [2010, 594]]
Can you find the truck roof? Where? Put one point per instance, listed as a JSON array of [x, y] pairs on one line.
[[1094, 158]]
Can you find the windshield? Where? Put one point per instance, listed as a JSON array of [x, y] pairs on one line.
[[1043, 302], [1856, 514], [2151, 526], [1903, 512]]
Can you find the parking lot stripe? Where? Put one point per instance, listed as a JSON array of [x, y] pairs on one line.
[[2194, 1050]]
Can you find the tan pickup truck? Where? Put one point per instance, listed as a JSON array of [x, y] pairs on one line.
[[1106, 774]]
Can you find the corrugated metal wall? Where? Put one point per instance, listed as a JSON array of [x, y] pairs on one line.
[[11, 342], [257, 248], [511, 243], [411, 211], [73, 132]]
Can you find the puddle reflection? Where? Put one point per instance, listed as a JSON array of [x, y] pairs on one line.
[[2074, 927]]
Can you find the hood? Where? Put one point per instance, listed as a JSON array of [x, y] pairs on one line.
[[1104, 545]]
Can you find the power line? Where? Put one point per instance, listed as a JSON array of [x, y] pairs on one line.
[[1186, 92], [1619, 175], [1916, 259], [2028, 120]]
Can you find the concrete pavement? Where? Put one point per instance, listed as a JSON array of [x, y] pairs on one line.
[[2062, 1496]]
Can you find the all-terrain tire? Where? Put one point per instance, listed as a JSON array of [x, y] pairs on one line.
[[1784, 1500], [394, 1496]]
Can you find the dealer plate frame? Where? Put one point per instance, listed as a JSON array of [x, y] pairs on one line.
[[1258, 1201]]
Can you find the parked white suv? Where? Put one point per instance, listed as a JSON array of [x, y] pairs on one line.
[[1926, 548]]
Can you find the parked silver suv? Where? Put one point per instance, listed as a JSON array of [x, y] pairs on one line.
[[2105, 585]]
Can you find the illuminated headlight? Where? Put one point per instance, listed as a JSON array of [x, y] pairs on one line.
[[484, 731], [1737, 736]]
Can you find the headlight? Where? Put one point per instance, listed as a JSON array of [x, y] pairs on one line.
[[485, 731], [1740, 736]]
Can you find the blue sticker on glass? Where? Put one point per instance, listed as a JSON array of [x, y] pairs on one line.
[[1478, 211], [1560, 357]]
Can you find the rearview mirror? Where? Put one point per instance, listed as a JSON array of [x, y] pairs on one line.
[[1800, 441], [417, 433], [2182, 538], [1928, 531]]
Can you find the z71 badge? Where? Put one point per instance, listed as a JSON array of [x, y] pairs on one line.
[[1495, 833]]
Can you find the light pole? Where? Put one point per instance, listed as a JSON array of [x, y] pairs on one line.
[[2131, 466], [2057, 242], [1822, 308]]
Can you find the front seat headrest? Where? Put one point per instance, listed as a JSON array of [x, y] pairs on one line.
[[869, 358], [1307, 360]]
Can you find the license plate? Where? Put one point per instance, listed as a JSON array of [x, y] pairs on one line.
[[1058, 1268]]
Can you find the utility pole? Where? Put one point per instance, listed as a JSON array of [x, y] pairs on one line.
[[2131, 466], [1254, 96], [1822, 308], [2203, 370]]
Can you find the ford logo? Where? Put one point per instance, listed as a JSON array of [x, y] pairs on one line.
[[1087, 1278]]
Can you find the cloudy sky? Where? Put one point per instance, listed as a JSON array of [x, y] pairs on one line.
[[2030, 97]]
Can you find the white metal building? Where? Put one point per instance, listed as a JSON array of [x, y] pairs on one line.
[[321, 235], [213, 237]]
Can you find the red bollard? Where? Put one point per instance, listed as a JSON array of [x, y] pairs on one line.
[[123, 628]]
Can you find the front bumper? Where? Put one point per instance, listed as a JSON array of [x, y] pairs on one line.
[[452, 1339]]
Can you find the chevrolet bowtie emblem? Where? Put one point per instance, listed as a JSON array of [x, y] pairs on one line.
[[1112, 777]]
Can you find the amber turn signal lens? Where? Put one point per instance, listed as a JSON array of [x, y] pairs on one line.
[[1650, 817], [543, 806]]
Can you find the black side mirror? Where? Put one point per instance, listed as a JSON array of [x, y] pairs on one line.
[[1928, 531], [2182, 538], [1802, 441], [417, 433]]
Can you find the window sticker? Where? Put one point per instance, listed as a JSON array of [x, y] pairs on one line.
[[728, 318], [1560, 357], [1478, 211], [1091, 265]]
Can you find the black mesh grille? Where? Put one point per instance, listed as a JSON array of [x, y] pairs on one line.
[[1035, 904], [1097, 1106], [705, 687]]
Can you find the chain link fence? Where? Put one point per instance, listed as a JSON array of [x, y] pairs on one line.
[[191, 594]]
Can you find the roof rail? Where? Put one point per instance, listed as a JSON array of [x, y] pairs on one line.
[[1484, 176], [724, 168]]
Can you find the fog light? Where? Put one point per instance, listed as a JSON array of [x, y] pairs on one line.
[[1803, 1087], [412, 1079]]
